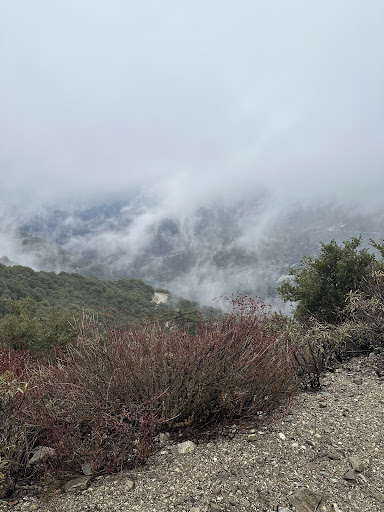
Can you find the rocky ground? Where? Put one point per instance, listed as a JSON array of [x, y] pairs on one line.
[[325, 454]]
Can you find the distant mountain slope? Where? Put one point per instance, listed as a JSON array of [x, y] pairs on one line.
[[44, 254], [130, 299], [209, 252]]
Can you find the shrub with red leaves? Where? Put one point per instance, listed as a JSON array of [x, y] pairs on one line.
[[108, 395]]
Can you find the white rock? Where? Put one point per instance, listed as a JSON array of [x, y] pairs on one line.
[[164, 438], [186, 447], [282, 436], [129, 485], [41, 453]]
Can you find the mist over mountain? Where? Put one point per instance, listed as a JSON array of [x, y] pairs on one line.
[[213, 251], [200, 147]]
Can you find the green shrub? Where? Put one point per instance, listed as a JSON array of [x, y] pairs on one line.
[[320, 285]]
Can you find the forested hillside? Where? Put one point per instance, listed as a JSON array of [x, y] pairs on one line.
[[42, 309]]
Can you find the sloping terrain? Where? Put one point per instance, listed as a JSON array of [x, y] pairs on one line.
[[209, 252], [327, 450]]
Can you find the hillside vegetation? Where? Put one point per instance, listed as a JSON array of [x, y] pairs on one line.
[[103, 398], [39, 310]]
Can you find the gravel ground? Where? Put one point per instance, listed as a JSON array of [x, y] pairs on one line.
[[251, 468]]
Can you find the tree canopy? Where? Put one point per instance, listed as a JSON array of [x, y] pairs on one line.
[[319, 286]]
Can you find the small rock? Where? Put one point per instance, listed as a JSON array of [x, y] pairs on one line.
[[186, 447], [334, 455], [282, 436], [356, 464], [305, 500], [252, 437], [362, 478], [358, 381], [336, 508], [129, 485], [350, 475], [283, 509], [40, 454], [164, 438], [322, 405], [77, 484], [214, 507], [86, 469]]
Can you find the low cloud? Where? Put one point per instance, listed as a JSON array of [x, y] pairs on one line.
[[169, 109]]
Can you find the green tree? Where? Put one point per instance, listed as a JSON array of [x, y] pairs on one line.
[[320, 285]]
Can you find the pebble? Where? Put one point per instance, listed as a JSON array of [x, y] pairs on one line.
[[129, 485], [186, 447], [334, 455], [350, 475], [356, 464]]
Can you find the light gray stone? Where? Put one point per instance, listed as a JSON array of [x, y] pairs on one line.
[[129, 485], [334, 455], [77, 484], [40, 454], [305, 500], [357, 464], [164, 438], [350, 475], [362, 478], [186, 447], [86, 469]]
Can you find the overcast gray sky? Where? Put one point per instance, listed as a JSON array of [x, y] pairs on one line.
[[191, 98]]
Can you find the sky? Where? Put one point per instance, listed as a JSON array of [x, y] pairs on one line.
[[190, 101]]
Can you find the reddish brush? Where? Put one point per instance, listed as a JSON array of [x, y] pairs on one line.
[[104, 398]]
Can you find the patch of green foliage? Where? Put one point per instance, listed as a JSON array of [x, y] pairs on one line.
[[339, 306], [320, 285], [39, 310]]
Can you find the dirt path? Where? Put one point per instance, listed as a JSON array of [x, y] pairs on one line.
[[325, 435], [159, 297]]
